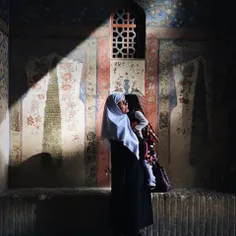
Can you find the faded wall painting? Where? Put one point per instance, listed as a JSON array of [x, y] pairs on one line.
[[4, 113], [61, 124], [192, 117], [54, 122], [184, 76], [176, 13], [127, 76]]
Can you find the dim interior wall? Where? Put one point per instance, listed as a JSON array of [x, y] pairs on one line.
[[177, 88], [182, 108], [193, 115]]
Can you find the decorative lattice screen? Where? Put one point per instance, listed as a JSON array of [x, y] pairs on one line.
[[123, 34]]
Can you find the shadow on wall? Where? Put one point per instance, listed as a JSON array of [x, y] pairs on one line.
[[199, 156], [229, 101], [212, 145], [43, 170], [3, 174], [39, 170]]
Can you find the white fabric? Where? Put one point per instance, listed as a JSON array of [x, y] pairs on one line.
[[151, 176], [143, 122], [116, 124]]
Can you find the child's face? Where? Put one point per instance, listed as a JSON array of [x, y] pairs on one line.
[[123, 105]]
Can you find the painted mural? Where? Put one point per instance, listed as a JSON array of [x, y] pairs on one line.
[[127, 76], [39, 122], [184, 76], [191, 92], [175, 13], [50, 117], [60, 115], [4, 113], [181, 83]]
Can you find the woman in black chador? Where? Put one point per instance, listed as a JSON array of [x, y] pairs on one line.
[[131, 208]]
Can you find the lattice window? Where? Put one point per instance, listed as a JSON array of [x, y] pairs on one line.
[[123, 35]]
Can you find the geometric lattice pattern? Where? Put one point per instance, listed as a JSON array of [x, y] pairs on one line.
[[123, 34]]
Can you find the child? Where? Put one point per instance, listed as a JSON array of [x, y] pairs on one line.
[[144, 130]]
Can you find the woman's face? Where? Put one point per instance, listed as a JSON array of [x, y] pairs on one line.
[[123, 105]]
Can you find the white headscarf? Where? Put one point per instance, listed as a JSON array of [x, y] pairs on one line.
[[116, 124]]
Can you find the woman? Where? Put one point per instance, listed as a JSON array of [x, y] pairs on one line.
[[131, 207]]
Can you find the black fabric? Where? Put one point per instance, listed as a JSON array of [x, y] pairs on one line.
[[131, 207]]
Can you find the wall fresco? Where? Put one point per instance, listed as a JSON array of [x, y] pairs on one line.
[[190, 137], [58, 114], [103, 87], [151, 81], [62, 112], [53, 113], [127, 76], [30, 115], [184, 76], [176, 13]]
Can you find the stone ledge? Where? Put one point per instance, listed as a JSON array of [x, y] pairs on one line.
[[35, 192], [85, 212]]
